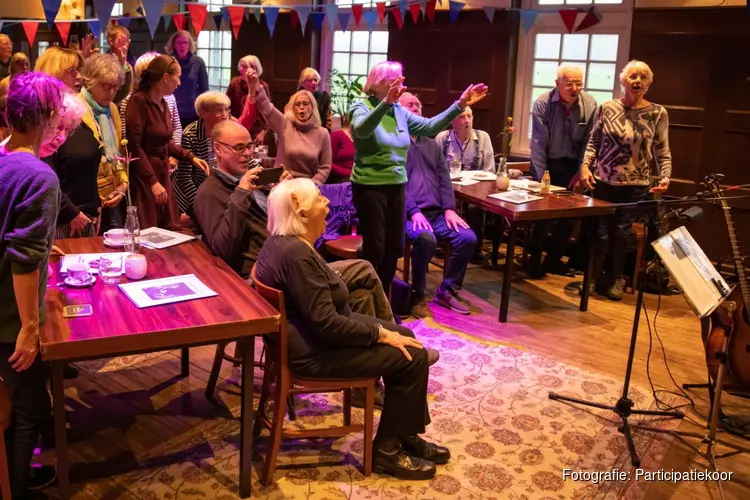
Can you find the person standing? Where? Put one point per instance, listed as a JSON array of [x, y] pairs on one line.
[[6, 50], [118, 39], [562, 120], [309, 80], [194, 76]]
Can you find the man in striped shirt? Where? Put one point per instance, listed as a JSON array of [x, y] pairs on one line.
[[212, 107]]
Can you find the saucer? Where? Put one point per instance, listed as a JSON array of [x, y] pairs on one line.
[[113, 244], [77, 284]]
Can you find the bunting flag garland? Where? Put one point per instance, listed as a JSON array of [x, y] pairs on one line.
[[198, 15], [96, 28], [344, 19], [140, 10], [331, 10], [527, 19], [103, 10], [423, 5], [1, 24], [403, 6], [64, 30], [318, 18], [303, 13], [430, 12], [370, 17], [415, 9], [153, 15], [294, 19], [225, 13], [235, 15], [455, 8], [256, 13], [272, 15], [124, 21], [396, 13], [51, 8], [179, 21], [569, 18], [381, 11], [357, 10], [218, 20], [592, 19], [490, 13], [30, 30]]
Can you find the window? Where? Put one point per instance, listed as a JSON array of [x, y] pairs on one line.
[[355, 52], [215, 48], [216, 5], [41, 47]]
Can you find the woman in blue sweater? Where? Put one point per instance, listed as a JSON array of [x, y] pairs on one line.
[[381, 131], [194, 79]]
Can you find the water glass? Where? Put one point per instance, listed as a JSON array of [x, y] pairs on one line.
[[110, 269], [455, 168]]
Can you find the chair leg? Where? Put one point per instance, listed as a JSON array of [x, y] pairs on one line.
[[407, 261], [277, 430], [264, 392], [369, 411], [4, 474], [347, 407], [291, 403], [237, 352], [213, 377]]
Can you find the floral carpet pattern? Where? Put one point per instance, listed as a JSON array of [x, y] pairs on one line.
[[489, 404]]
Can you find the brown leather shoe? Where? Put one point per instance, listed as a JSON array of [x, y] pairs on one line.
[[418, 447]]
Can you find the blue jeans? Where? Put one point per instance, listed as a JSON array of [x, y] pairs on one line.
[[462, 242]]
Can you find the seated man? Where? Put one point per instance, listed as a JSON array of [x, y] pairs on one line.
[[431, 213]]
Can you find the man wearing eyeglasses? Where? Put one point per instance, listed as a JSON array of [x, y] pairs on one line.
[[562, 120]]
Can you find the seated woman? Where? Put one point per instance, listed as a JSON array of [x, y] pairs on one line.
[[304, 148], [328, 340]]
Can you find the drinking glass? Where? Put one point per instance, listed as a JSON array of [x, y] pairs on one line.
[[455, 168], [110, 269]]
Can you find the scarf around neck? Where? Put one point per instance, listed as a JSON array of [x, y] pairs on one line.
[[103, 118]]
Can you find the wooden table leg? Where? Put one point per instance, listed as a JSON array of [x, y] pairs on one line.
[[185, 362], [246, 416], [61, 436], [589, 271], [508, 272]]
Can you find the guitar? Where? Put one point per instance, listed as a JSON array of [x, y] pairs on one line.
[[730, 320]]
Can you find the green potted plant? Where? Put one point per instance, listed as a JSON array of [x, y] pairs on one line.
[[345, 90]]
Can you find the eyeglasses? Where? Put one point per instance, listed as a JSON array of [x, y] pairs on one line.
[[239, 148], [109, 87], [572, 85], [302, 104]]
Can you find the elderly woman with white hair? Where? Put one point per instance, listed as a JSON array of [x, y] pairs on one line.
[[304, 148], [309, 79], [382, 131], [629, 135], [212, 108], [237, 93], [327, 340]]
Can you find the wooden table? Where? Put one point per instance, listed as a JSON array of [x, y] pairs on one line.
[[117, 327], [550, 207]]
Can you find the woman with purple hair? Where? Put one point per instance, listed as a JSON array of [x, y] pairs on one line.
[[29, 202]]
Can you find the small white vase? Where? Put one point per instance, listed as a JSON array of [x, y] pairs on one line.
[[136, 266]]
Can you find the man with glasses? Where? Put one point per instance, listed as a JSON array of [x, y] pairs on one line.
[[562, 120], [118, 39]]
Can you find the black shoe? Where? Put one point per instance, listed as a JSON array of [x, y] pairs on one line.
[[559, 268], [535, 271], [401, 465], [418, 447], [41, 477], [358, 396], [69, 372], [433, 355], [478, 259]]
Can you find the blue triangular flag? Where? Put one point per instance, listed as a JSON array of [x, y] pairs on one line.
[[272, 14], [344, 19], [124, 21], [225, 13], [490, 12], [303, 12], [140, 10], [218, 18], [96, 29], [455, 8], [318, 18], [153, 14], [403, 6], [371, 16], [527, 19], [103, 10], [331, 10], [51, 8]]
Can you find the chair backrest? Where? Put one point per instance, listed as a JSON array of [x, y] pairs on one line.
[[277, 346]]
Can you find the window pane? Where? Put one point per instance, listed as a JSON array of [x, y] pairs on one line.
[[545, 73], [226, 58], [360, 41], [608, 1], [551, 2], [341, 62], [359, 64], [600, 96], [578, 2], [376, 58], [547, 46], [341, 40], [575, 47], [601, 76], [379, 42], [604, 47], [536, 92]]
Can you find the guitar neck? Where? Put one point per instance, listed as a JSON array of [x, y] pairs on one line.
[[736, 253]]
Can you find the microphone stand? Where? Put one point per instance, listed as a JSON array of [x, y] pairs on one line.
[[624, 406]]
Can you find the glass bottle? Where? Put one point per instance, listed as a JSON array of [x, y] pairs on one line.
[[132, 231], [545, 182]]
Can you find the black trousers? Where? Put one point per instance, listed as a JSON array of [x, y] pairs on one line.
[[31, 411], [476, 218], [613, 231], [405, 410], [561, 172], [381, 211]]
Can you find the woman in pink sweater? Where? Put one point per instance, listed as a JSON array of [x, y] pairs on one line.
[[304, 148]]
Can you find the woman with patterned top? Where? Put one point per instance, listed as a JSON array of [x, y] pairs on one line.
[[629, 135]]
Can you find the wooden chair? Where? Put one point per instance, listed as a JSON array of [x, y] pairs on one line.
[[277, 369], [4, 424], [407, 257], [637, 243]]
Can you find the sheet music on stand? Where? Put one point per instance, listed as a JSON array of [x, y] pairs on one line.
[[700, 282]]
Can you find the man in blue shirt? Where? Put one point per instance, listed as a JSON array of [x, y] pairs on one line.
[[431, 216], [562, 120]]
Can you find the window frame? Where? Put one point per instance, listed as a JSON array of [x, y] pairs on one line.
[[219, 86]]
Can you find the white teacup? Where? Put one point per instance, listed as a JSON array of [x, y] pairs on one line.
[[79, 272], [115, 235]]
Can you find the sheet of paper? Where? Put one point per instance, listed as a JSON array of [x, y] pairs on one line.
[[158, 238], [166, 290], [465, 182], [515, 196]]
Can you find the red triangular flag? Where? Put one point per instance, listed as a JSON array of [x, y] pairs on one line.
[[179, 21], [64, 30], [396, 13], [198, 15], [592, 19], [294, 19], [415, 9], [430, 12], [569, 18], [236, 15], [357, 10], [381, 11], [30, 29]]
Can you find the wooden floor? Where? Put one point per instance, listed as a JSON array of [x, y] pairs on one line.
[[155, 406]]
